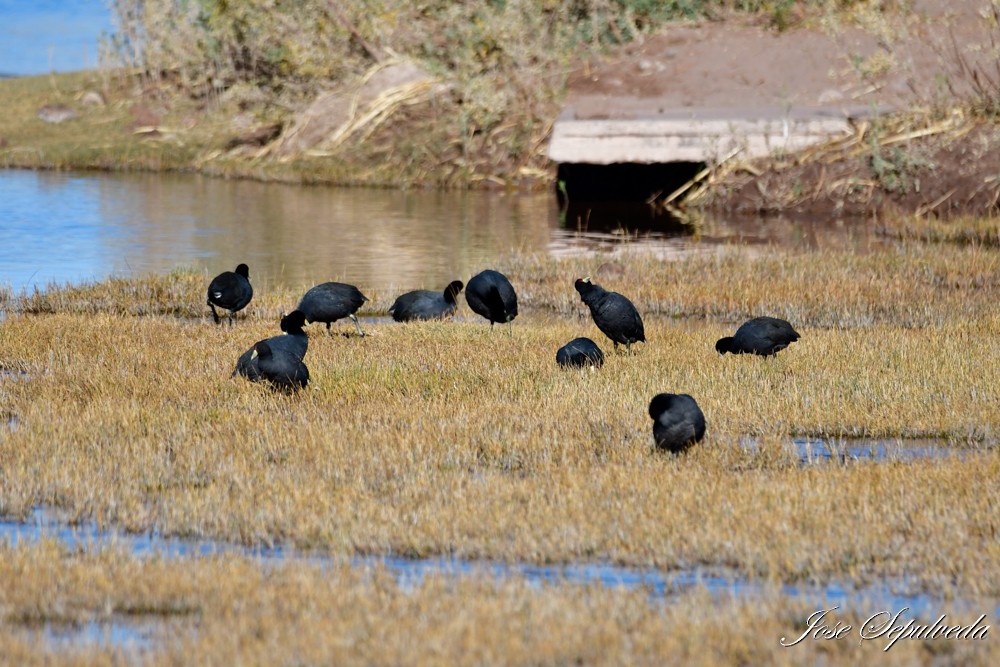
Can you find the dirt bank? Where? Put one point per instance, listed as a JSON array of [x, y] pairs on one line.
[[923, 83]]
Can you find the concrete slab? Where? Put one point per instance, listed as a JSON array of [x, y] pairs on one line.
[[696, 135]]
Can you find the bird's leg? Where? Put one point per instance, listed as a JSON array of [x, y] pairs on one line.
[[357, 323], [231, 314], [215, 315], [510, 328], [328, 329]]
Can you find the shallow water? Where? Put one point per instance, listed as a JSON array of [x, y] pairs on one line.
[[65, 227], [660, 585], [812, 451], [816, 451], [131, 634]]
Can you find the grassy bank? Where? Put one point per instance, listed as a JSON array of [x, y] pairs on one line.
[[209, 84], [442, 438], [100, 137]]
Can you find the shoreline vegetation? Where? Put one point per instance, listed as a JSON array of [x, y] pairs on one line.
[[443, 95]]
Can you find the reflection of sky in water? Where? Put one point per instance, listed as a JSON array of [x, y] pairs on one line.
[[67, 228], [892, 595], [52, 228], [59, 227], [39, 36]]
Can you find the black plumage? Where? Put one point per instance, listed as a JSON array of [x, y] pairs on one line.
[[281, 369], [294, 341], [613, 314], [230, 290], [329, 302], [491, 295], [761, 335], [580, 352], [426, 304], [678, 422]]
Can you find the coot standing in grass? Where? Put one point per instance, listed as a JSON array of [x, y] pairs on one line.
[[426, 304], [280, 368], [491, 295], [580, 352], [330, 302], [613, 314], [678, 422], [295, 342], [765, 336], [230, 290]]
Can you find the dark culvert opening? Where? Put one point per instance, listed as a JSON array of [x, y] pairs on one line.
[[622, 197]]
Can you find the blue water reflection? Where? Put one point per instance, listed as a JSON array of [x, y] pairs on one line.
[[660, 584]]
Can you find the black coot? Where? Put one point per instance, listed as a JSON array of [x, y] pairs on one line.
[[491, 295], [294, 342], [330, 302], [281, 369], [230, 290], [678, 422], [426, 304], [765, 336], [580, 352], [613, 314]]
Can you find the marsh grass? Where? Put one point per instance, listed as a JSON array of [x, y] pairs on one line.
[[444, 438], [983, 231], [233, 611], [906, 285]]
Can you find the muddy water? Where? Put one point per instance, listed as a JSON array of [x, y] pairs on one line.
[[73, 227]]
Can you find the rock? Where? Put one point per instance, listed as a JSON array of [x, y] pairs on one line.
[[143, 117], [56, 113], [336, 115], [830, 95], [610, 270], [258, 136], [147, 132], [92, 98]]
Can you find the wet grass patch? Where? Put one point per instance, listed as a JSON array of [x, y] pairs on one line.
[[307, 614]]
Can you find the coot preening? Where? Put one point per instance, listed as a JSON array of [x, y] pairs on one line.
[[230, 290], [330, 302], [678, 422], [425, 304], [491, 295], [580, 352], [294, 342], [613, 314], [761, 335], [282, 369]]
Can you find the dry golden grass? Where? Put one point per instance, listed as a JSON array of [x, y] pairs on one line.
[[233, 611], [911, 285], [442, 438], [982, 231]]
